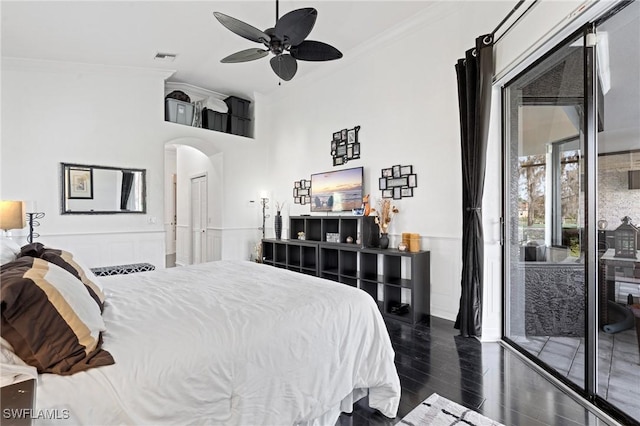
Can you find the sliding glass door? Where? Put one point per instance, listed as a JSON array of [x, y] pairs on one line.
[[571, 151], [619, 197], [546, 312]]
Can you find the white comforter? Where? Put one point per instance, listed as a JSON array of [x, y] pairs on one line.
[[233, 343]]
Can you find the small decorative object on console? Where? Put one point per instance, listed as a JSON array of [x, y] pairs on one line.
[[402, 247], [384, 214], [350, 240], [301, 235], [333, 237], [414, 243], [384, 241], [277, 220]]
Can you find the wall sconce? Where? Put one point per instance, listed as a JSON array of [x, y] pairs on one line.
[[12, 215], [264, 201]]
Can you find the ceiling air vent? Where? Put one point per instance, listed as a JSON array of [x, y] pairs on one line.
[[165, 57], [634, 179]]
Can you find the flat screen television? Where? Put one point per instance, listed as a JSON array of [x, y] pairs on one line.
[[337, 191]]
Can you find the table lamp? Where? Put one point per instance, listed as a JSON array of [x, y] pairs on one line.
[[12, 215]]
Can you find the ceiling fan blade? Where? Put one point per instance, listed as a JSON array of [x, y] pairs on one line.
[[310, 50], [285, 66], [245, 56], [296, 25], [242, 29]]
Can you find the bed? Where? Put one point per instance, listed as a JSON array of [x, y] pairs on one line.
[[233, 343]]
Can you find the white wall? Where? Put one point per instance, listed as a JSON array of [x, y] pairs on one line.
[[402, 92], [63, 112], [54, 113]]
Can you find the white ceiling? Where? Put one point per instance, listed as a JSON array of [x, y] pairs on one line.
[[130, 33]]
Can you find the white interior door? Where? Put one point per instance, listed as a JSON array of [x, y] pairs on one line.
[[174, 215], [199, 219]]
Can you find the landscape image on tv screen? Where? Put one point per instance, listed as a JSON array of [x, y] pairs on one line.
[[336, 191]]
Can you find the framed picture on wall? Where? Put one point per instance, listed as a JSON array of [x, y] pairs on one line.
[[336, 136], [351, 136], [356, 149], [401, 181], [382, 183], [397, 193], [412, 181], [296, 200], [387, 193], [396, 171], [338, 161], [307, 199], [343, 135], [406, 170], [297, 184], [387, 173], [80, 183], [406, 192], [307, 183]]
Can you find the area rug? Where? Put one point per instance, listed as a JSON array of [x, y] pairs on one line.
[[436, 411]]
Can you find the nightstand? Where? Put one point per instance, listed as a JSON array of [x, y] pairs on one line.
[[18, 403]]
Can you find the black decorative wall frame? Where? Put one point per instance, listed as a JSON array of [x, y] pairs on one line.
[[302, 192], [397, 182], [345, 146]]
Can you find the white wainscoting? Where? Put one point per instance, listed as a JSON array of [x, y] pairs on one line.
[[492, 293], [183, 245], [446, 271], [222, 243], [111, 248]]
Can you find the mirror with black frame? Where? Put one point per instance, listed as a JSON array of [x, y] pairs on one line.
[[89, 189]]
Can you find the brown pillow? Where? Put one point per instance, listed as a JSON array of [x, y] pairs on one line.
[[49, 318], [65, 260]]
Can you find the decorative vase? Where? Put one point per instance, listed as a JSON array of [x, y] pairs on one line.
[[384, 241], [277, 225]]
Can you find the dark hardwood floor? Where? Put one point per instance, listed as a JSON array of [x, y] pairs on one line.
[[482, 376]]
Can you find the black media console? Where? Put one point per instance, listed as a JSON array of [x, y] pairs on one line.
[[399, 282]]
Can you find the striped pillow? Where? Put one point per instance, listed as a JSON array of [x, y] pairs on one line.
[[65, 260], [49, 318]]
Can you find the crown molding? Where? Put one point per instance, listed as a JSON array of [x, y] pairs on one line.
[[437, 11], [42, 65]]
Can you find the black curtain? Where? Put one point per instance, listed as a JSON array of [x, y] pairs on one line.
[[127, 183], [475, 73]]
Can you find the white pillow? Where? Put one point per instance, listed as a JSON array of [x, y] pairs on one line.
[[12, 368], [10, 250]]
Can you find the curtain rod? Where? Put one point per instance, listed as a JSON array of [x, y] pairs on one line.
[[506, 18]]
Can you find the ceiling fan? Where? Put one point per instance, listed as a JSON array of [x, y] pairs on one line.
[[286, 41]]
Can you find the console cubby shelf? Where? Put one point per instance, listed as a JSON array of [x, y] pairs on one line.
[[398, 281]]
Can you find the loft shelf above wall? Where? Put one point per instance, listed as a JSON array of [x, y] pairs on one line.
[[236, 121], [398, 281]]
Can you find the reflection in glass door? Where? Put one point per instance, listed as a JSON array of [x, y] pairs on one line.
[[618, 158], [546, 291]]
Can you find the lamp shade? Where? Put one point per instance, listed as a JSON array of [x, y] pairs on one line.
[[12, 215]]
